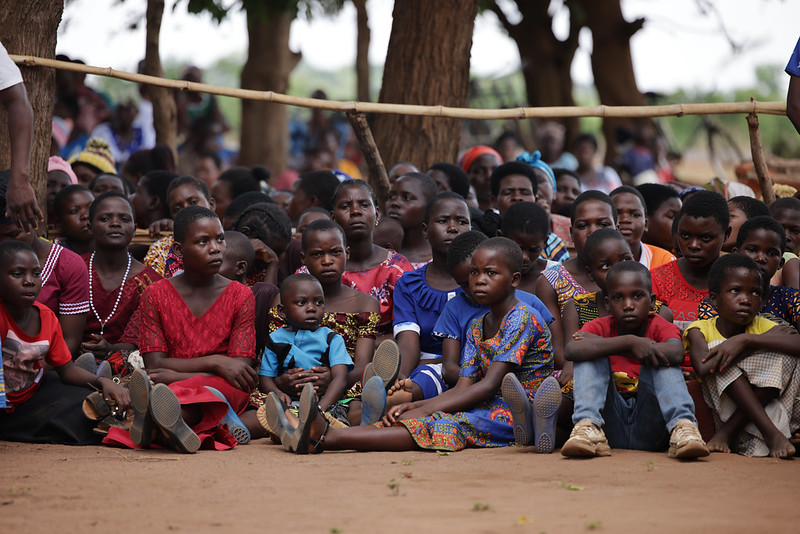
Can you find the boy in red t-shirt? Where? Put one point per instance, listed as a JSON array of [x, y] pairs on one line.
[[661, 412], [41, 408]]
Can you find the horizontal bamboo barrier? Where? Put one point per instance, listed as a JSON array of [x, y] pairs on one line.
[[669, 110]]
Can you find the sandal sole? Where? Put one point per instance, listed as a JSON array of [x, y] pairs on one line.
[[276, 420], [95, 407], [141, 431], [373, 401], [385, 364], [165, 408], [546, 402], [306, 414], [516, 398]]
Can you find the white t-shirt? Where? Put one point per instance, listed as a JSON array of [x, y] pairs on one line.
[[9, 72]]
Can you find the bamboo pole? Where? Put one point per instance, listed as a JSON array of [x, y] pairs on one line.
[[759, 162], [378, 179], [677, 110]]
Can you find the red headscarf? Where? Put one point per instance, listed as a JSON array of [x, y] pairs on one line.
[[474, 153]]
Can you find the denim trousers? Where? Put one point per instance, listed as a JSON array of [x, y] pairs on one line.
[[642, 421]]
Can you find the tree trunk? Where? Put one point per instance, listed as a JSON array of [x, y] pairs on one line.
[[165, 114], [362, 51], [29, 28], [612, 65], [265, 126], [546, 61], [427, 63]]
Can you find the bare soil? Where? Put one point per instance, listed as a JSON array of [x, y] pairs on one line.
[[52, 488]]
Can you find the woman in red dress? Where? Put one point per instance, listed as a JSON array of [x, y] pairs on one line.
[[197, 340]]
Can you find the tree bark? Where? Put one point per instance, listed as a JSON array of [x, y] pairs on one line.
[[546, 61], [612, 64], [427, 63], [265, 126], [29, 28], [165, 114], [362, 51]]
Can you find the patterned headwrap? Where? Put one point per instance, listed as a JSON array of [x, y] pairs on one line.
[[474, 153], [535, 161], [98, 155], [55, 163]]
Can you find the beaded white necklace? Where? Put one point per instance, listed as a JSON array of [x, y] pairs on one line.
[[119, 295]]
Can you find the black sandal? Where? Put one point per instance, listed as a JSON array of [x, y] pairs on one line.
[[317, 443]]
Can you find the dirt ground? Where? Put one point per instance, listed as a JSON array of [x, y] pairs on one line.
[[52, 488]]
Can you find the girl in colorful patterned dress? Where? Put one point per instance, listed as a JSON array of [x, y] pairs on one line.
[[510, 338], [370, 269]]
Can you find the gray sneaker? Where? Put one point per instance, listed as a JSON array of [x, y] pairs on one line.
[[586, 441]]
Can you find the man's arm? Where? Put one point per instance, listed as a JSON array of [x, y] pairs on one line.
[[793, 102], [20, 198]]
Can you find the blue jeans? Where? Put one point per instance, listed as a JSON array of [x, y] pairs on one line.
[[643, 421]]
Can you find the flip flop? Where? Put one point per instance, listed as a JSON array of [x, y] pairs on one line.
[[385, 364], [141, 431], [373, 401], [306, 414], [166, 411], [235, 425], [516, 398], [277, 421], [546, 402]]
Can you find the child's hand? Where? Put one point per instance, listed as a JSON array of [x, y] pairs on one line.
[[647, 353], [236, 371], [97, 346], [285, 398], [407, 410], [577, 336], [727, 353], [320, 377], [119, 394]]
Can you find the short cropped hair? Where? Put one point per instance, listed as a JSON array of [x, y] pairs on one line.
[[319, 184], [456, 177], [241, 180], [9, 248], [707, 204], [760, 222], [633, 191], [526, 218], [655, 194], [592, 194], [630, 267], [186, 217], [597, 238], [353, 183], [244, 201], [752, 207], [508, 169], [786, 203], [724, 264], [507, 248], [294, 279], [428, 185], [239, 247], [267, 222], [439, 198], [321, 225], [58, 202], [463, 246], [102, 198], [200, 185]]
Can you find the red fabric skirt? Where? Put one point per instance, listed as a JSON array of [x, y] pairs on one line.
[[192, 391]]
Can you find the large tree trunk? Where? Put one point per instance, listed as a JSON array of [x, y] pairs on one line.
[[265, 126], [362, 51], [546, 61], [427, 63], [612, 65], [165, 114], [29, 28]]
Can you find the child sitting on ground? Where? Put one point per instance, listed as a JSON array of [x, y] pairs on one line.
[[452, 326], [742, 209], [787, 212], [661, 412], [527, 225], [71, 207], [633, 221], [762, 238], [508, 339], [406, 203], [41, 407], [748, 376], [303, 343]]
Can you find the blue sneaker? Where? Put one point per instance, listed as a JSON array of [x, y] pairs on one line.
[[235, 425]]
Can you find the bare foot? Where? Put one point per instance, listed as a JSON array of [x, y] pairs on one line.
[[780, 447], [718, 443], [402, 391]]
